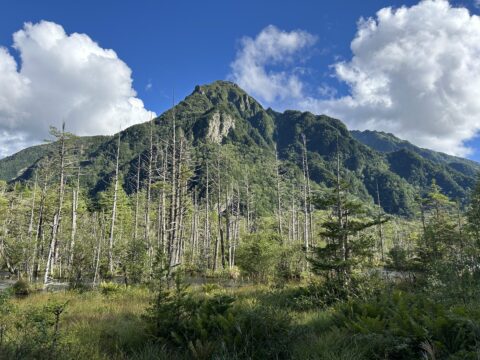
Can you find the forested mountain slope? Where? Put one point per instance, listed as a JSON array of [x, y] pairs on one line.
[[222, 123], [15, 166], [386, 142]]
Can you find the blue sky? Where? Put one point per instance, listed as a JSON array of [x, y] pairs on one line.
[[178, 44]]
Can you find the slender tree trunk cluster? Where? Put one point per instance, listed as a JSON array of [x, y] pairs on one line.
[[189, 207]]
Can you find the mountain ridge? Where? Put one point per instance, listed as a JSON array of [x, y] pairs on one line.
[[388, 142], [222, 116]]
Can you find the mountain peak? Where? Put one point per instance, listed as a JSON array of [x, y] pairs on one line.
[[218, 84], [219, 89], [224, 114], [227, 94]]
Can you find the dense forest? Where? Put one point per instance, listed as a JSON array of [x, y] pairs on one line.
[[221, 230]]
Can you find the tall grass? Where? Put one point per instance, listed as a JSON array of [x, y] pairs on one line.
[[261, 323], [93, 325]]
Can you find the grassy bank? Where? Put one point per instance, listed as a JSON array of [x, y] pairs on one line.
[[250, 322], [110, 323], [92, 326]]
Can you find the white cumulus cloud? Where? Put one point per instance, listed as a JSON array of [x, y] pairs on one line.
[[62, 77], [271, 47], [414, 71]]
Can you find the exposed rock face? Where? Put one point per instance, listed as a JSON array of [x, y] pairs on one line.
[[244, 103], [199, 90], [219, 125]]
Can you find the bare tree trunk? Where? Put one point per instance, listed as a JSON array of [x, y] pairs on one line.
[[194, 230], [51, 249], [207, 219], [178, 220], [181, 185], [137, 199], [424, 225], [459, 217], [227, 227], [247, 196], [380, 227], [297, 223], [75, 195], [343, 244], [39, 232], [306, 231], [236, 233], [114, 210], [279, 201], [3, 251], [161, 213], [58, 213], [172, 242], [309, 192], [219, 213], [159, 224], [30, 227], [99, 245], [148, 199], [32, 207], [293, 224]]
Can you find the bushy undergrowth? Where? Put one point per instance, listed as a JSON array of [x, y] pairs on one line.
[[313, 321], [71, 325], [31, 334], [109, 288], [21, 288], [400, 325], [319, 294], [213, 324]]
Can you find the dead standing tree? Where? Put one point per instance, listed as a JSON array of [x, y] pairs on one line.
[[114, 208], [62, 140]]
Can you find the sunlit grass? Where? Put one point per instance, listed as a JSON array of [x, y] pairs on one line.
[[110, 326], [104, 325], [97, 326]]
